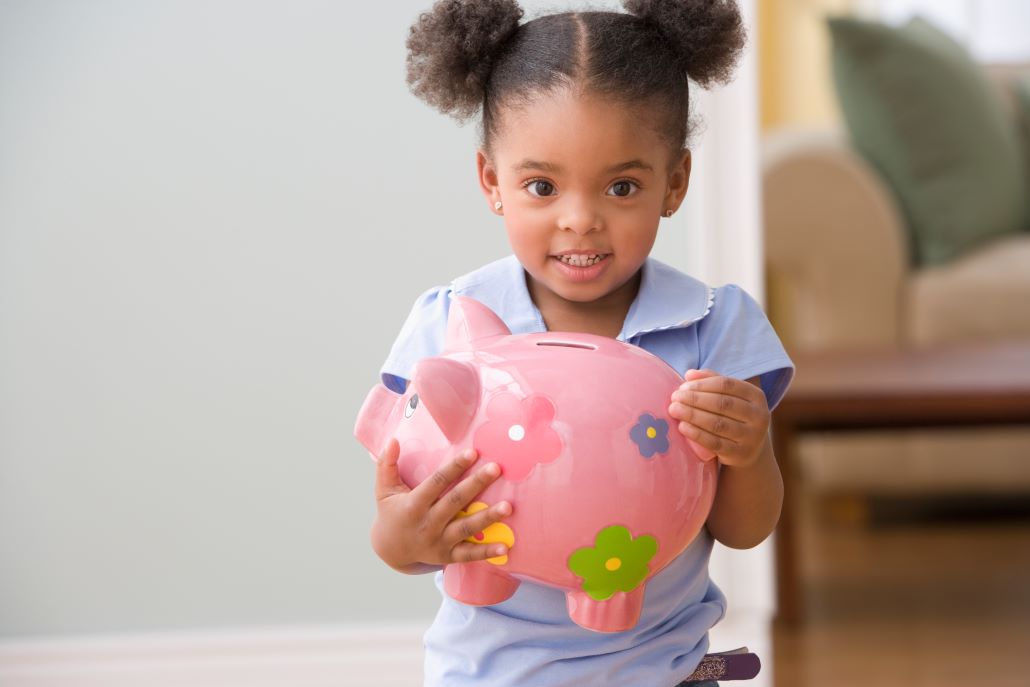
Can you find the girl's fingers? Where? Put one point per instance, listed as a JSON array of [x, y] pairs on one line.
[[721, 446], [437, 483], [466, 552], [472, 525], [731, 407], [699, 374], [721, 425], [703, 453], [722, 385], [447, 507], [388, 477]]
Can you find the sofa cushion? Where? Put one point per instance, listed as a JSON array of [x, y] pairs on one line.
[[927, 117], [982, 296]]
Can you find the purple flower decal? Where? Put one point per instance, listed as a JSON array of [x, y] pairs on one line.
[[651, 435]]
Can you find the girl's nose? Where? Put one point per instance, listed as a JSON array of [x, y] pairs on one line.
[[579, 217]]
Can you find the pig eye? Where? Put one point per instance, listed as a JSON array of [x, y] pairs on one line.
[[410, 406]]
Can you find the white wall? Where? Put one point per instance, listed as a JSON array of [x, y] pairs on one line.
[[213, 218]]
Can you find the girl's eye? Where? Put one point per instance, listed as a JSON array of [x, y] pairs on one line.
[[539, 188], [624, 188], [410, 406]]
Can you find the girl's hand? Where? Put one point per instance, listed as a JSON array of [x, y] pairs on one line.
[[725, 415], [416, 528]]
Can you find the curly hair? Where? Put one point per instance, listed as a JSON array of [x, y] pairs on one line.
[[467, 55]]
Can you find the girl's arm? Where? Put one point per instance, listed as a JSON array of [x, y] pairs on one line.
[[747, 501], [731, 418]]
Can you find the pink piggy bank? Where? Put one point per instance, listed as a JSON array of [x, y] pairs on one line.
[[605, 491]]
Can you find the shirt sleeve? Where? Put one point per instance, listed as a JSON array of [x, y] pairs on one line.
[[422, 335], [737, 340]]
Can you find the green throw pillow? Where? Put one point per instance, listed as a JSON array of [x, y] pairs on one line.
[[922, 112], [1022, 87]]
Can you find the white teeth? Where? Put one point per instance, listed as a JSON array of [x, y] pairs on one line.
[[580, 260]]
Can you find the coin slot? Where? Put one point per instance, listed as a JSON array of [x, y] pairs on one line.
[[567, 344]]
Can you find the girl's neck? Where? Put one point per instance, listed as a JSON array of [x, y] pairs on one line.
[[604, 316]]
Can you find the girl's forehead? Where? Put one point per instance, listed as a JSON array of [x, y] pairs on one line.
[[589, 130]]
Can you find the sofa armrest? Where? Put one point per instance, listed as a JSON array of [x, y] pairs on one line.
[[835, 247]]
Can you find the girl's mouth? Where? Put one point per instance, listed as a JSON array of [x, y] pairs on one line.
[[582, 267], [582, 260]]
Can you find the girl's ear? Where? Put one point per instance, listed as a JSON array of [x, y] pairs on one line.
[[487, 174], [679, 180]]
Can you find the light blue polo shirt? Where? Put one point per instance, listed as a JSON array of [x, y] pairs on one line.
[[529, 639]]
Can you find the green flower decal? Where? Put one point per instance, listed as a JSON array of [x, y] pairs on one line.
[[616, 563]]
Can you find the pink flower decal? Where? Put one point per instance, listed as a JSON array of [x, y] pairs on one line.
[[517, 434]]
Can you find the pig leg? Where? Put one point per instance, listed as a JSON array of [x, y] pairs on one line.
[[478, 584], [615, 614]]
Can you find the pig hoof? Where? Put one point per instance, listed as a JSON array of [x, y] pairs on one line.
[[478, 584], [615, 614]]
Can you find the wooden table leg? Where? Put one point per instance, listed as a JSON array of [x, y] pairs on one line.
[[789, 609]]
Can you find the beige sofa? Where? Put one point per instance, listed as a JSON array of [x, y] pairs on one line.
[[839, 277]]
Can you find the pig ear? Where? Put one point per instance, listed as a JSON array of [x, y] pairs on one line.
[[372, 418], [469, 320], [449, 390]]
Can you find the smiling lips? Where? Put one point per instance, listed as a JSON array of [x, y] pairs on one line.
[[581, 260], [582, 266]]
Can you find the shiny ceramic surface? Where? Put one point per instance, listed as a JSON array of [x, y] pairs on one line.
[[605, 491]]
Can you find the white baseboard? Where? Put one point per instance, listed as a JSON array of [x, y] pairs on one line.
[[362, 656], [349, 656]]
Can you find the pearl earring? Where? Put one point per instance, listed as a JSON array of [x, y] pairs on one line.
[[498, 205], [668, 213]]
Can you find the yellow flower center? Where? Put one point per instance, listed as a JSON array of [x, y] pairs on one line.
[[651, 433], [613, 564]]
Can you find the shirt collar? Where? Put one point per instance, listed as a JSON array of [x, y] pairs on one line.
[[667, 298]]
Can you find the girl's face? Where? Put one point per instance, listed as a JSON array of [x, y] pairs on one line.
[[582, 177]]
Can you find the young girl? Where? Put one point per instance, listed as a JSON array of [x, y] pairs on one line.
[[584, 131]]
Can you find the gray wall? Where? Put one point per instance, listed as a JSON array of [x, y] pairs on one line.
[[213, 218]]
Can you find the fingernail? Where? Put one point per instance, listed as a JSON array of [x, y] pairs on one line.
[[492, 469], [499, 550], [503, 508]]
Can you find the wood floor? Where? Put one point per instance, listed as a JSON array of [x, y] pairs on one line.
[[914, 597]]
